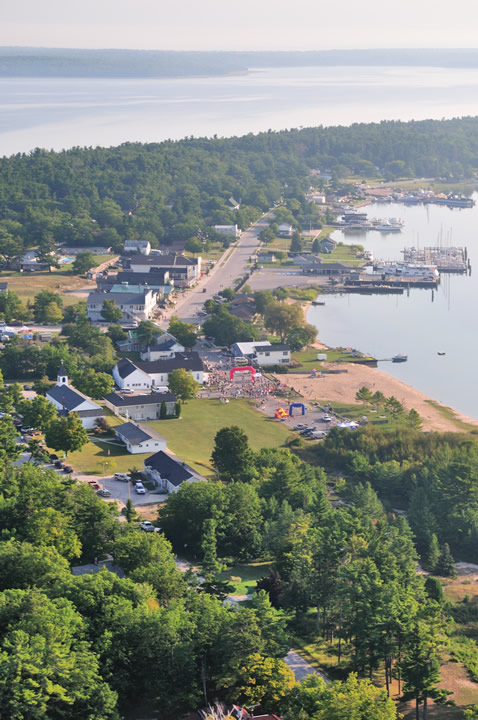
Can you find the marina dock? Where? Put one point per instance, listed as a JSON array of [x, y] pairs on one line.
[[446, 259], [385, 285]]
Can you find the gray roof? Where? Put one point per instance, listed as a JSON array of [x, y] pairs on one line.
[[188, 361], [153, 278], [84, 413], [168, 468], [133, 400], [120, 298], [62, 370], [125, 367], [67, 396], [274, 346], [162, 260], [131, 432]]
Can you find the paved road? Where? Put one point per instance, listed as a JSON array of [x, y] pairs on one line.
[[301, 668], [231, 266]]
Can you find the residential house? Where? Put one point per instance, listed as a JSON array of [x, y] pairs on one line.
[[135, 306], [139, 439], [229, 230], [275, 354], [170, 474], [155, 280], [164, 346], [140, 406], [266, 256], [262, 353], [285, 230], [144, 375], [67, 399], [137, 246]]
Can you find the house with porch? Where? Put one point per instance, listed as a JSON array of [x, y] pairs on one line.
[[169, 473], [138, 439], [146, 375]]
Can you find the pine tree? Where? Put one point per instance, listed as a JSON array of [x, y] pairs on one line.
[[433, 554], [446, 564], [163, 411]]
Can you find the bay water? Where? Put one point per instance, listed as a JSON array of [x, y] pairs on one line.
[[420, 323], [58, 113]]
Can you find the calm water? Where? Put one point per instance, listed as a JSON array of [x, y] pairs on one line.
[[422, 323], [62, 113]]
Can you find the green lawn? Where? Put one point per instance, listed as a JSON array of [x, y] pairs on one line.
[[308, 359], [245, 577], [192, 436], [90, 459]]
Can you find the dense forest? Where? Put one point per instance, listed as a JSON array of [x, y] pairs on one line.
[[173, 191]]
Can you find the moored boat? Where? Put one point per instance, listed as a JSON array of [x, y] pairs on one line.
[[399, 358]]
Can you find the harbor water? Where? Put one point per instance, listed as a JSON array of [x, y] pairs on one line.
[[420, 323]]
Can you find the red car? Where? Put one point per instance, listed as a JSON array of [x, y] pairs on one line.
[[94, 485]]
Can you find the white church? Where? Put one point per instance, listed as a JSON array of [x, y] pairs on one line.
[[67, 399]]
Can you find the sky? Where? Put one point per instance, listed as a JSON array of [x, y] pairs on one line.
[[241, 25]]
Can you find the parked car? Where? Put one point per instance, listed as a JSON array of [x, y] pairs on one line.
[[103, 492], [58, 464], [122, 477], [140, 489], [53, 457], [27, 387], [68, 469], [148, 526], [299, 426], [94, 485]]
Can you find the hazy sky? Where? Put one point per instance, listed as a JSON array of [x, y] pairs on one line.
[[244, 24]]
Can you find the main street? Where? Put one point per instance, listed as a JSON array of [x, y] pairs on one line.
[[232, 265]]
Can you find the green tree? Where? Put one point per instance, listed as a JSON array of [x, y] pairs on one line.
[[183, 332], [421, 666], [210, 562], [130, 513], [193, 245], [446, 564], [67, 434], [316, 246], [52, 314], [182, 384], [38, 413], [259, 679], [9, 449], [44, 300], [94, 384], [281, 318], [433, 554], [231, 455], [415, 420], [163, 411], [83, 262], [111, 312], [147, 331], [11, 307], [300, 337], [434, 589], [297, 243], [116, 333], [364, 395]]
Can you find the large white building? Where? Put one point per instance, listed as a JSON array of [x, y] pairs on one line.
[[262, 353], [145, 375], [134, 306], [67, 399]]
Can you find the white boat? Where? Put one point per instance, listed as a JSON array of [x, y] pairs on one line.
[[404, 269]]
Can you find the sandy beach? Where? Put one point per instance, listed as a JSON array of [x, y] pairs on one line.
[[342, 388]]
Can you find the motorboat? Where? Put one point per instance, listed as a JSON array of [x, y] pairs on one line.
[[399, 358]]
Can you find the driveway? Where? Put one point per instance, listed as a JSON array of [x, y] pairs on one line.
[[301, 668]]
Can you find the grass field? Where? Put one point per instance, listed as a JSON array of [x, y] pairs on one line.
[[90, 459], [26, 286], [245, 577], [308, 359], [192, 436]]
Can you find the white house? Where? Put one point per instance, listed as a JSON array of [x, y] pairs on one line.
[[144, 375], [141, 406], [285, 230], [231, 230], [170, 474], [134, 306], [139, 439], [67, 399], [137, 246], [276, 354], [262, 352], [164, 346]]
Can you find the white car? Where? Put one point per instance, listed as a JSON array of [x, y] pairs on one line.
[[148, 526], [140, 489], [123, 477]]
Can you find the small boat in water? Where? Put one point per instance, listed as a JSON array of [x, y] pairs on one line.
[[318, 302], [400, 358], [441, 353]]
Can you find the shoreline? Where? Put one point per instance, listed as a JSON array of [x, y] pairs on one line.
[[342, 388]]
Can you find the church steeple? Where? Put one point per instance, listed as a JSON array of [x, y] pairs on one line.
[[62, 376]]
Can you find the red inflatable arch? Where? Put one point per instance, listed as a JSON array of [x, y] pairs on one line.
[[247, 368]]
